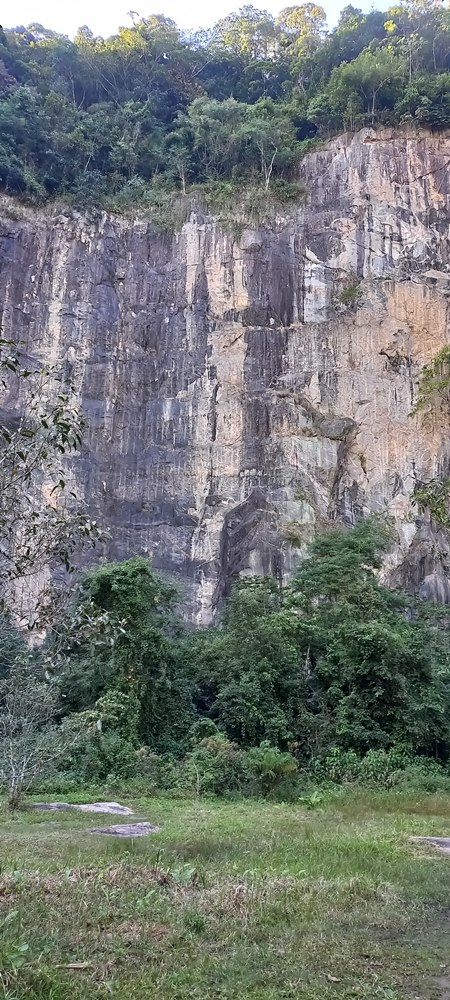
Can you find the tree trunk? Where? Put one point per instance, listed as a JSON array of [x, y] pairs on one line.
[[15, 794], [182, 179]]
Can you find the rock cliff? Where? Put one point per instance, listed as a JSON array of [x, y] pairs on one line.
[[242, 389]]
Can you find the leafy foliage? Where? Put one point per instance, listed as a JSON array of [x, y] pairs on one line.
[[14, 950], [333, 675], [333, 659], [270, 766], [119, 635], [41, 518], [433, 395], [12, 643], [434, 496], [130, 119], [332, 668], [30, 742]]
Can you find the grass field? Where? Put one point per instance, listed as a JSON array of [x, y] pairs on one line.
[[230, 900]]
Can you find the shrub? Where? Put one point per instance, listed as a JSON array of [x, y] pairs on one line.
[[339, 766], [159, 771], [351, 295], [269, 767], [395, 767], [380, 766], [433, 389], [423, 775], [435, 497], [102, 757], [216, 765]]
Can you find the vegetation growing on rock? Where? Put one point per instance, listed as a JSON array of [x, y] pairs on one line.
[[433, 391], [435, 497], [154, 110]]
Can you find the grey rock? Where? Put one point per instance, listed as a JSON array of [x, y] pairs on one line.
[[442, 843], [188, 353], [106, 807], [127, 829], [50, 806], [95, 807]]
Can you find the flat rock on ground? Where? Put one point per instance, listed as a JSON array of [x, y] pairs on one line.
[[95, 807], [127, 829], [442, 843]]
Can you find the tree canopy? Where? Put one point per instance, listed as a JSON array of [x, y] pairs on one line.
[[154, 109], [332, 673], [334, 658]]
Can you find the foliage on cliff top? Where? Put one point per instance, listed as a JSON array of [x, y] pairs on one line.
[[127, 120]]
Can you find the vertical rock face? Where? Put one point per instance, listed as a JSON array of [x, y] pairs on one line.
[[240, 391]]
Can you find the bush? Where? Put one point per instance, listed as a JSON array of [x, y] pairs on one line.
[[102, 757], [395, 767], [268, 768], [89, 189], [215, 766], [339, 766], [423, 775], [380, 766], [159, 772]]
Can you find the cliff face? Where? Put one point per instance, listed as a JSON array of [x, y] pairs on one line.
[[240, 390]]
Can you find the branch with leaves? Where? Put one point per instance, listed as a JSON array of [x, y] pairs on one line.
[[42, 519]]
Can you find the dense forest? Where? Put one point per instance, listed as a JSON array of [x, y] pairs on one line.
[[152, 110], [332, 678]]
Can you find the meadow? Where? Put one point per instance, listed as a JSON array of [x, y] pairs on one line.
[[323, 900]]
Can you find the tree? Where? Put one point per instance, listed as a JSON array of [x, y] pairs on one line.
[[230, 137], [119, 635], [12, 643], [249, 675], [420, 30], [216, 128], [302, 28], [31, 745], [371, 81], [426, 99], [374, 662], [354, 32], [249, 32], [333, 659], [41, 519], [269, 140]]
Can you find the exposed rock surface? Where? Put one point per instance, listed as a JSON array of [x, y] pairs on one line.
[[127, 829], [238, 386], [442, 843], [95, 807]]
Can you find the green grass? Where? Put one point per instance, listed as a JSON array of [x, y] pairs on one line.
[[230, 900]]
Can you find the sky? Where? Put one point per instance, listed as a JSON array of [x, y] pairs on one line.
[[105, 16]]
